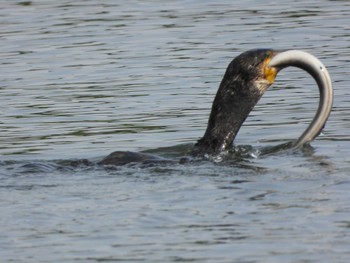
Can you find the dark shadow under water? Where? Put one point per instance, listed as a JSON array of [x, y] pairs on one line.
[[240, 156]]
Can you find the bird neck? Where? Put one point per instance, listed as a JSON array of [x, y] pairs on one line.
[[233, 102]]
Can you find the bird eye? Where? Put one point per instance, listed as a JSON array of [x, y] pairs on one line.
[[267, 54]]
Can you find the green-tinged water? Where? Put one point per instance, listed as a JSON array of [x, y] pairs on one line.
[[81, 79]]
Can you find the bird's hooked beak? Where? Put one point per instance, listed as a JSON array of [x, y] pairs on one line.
[[270, 72], [279, 60]]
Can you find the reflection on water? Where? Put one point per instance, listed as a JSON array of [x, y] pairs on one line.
[[82, 79]]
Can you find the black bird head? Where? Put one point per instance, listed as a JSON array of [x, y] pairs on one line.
[[252, 67]]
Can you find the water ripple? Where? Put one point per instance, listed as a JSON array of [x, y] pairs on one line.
[[82, 79]]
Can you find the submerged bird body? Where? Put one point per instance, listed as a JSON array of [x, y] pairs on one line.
[[246, 79]]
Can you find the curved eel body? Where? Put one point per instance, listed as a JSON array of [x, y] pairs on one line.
[[318, 71]]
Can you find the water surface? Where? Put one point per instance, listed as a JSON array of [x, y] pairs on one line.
[[82, 79]]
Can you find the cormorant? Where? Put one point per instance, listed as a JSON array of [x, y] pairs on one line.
[[246, 79]]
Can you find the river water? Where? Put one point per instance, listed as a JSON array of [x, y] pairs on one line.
[[80, 79]]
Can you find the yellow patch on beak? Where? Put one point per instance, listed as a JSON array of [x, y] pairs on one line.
[[270, 72]]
